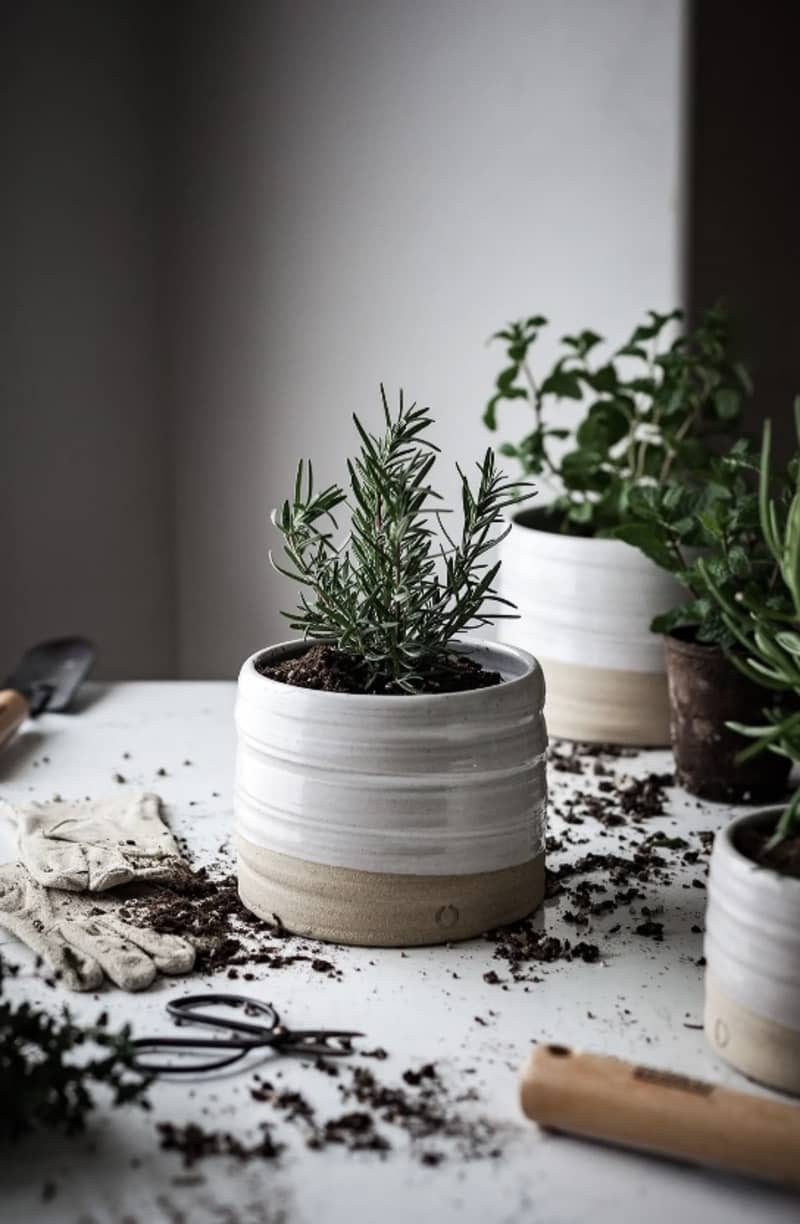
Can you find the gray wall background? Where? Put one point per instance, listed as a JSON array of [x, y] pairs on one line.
[[224, 224]]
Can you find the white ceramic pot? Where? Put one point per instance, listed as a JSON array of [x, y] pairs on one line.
[[752, 950], [392, 820], [585, 607]]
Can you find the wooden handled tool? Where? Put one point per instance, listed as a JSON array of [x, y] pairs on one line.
[[14, 709], [46, 678], [661, 1111]]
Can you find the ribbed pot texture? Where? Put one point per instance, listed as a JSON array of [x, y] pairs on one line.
[[706, 691], [392, 820], [585, 609], [752, 950]]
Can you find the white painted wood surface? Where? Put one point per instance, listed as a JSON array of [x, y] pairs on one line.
[[640, 999]]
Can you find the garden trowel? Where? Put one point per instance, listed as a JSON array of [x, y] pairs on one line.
[[46, 678]]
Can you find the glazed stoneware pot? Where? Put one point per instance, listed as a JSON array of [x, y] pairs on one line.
[[585, 608], [706, 691], [752, 950], [391, 820]]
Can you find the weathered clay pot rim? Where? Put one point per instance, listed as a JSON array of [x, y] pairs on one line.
[[684, 646], [765, 817], [298, 646]]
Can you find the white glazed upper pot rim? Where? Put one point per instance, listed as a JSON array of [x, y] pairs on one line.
[[522, 664], [743, 867], [574, 549]]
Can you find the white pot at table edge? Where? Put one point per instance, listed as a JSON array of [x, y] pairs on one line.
[[392, 820], [585, 604], [752, 951]]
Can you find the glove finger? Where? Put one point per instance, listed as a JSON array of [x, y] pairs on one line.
[[77, 969], [170, 953], [126, 965]]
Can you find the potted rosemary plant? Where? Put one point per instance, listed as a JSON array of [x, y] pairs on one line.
[[704, 535], [390, 773], [752, 1014], [586, 597]]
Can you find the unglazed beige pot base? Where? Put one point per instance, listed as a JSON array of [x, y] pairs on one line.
[[371, 908], [759, 1048], [602, 705]]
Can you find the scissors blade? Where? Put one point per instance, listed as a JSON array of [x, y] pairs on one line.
[[318, 1034], [318, 1041]]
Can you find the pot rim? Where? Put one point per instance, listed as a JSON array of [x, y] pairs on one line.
[[684, 646], [600, 551], [297, 646], [726, 840]]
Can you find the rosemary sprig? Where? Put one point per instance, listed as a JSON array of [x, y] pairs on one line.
[[397, 592]]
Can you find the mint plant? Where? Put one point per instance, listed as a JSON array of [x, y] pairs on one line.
[[652, 409], [709, 533], [394, 594]]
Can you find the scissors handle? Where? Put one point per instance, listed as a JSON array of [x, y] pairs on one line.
[[162, 1044], [186, 1010], [243, 1037]]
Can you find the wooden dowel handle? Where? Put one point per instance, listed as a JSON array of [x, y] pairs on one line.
[[14, 709], [660, 1111]]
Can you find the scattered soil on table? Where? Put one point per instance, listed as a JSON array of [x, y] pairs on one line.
[[421, 1107], [783, 858], [375, 1114], [599, 884], [195, 1142], [523, 944], [328, 669], [207, 910]]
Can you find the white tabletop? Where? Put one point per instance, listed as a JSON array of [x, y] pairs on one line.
[[642, 996]]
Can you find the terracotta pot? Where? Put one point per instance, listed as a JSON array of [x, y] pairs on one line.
[[752, 950], [585, 607], [706, 691], [392, 820]]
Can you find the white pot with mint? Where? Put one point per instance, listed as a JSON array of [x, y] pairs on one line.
[[585, 593], [586, 605], [390, 778]]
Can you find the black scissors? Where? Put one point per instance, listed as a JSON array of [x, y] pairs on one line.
[[265, 1030]]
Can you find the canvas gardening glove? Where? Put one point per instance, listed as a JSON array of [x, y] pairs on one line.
[[94, 845], [83, 938], [57, 899]]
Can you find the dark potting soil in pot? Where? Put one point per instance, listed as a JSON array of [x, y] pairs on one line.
[[706, 691], [325, 668], [784, 858]]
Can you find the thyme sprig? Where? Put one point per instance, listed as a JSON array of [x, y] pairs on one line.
[[50, 1066], [401, 588]]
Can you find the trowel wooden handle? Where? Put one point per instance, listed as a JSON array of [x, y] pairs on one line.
[[660, 1111], [14, 709]]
